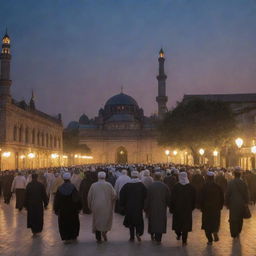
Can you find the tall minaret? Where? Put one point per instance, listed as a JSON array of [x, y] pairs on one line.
[[161, 99], [5, 59]]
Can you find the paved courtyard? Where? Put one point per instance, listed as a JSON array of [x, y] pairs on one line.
[[16, 239]]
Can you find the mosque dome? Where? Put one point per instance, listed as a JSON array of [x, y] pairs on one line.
[[121, 99], [84, 119], [73, 125]]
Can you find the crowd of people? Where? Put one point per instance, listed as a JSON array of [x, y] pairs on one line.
[[135, 192]]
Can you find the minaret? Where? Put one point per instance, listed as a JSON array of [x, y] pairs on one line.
[[161, 99], [32, 104], [5, 59]]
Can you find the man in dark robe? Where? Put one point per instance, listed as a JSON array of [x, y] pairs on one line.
[[7, 186], [250, 180], [67, 206], [212, 200], [170, 179], [221, 180], [156, 207], [89, 178], [35, 201], [183, 199], [132, 197], [197, 181], [236, 198]]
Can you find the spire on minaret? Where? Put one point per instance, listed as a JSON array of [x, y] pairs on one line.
[[122, 89], [161, 98], [5, 59], [32, 104]]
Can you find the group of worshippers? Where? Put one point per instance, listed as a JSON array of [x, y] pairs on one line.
[[131, 193]]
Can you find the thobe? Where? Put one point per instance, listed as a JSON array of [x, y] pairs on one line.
[[67, 206], [18, 186], [35, 201], [132, 198], [236, 198], [56, 184], [120, 182], [197, 182], [88, 180], [170, 181], [50, 178], [222, 182], [156, 206], [101, 198], [212, 200], [76, 180], [7, 180], [183, 199]]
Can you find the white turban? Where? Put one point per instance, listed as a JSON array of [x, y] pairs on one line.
[[102, 175], [66, 176], [124, 172], [135, 174], [209, 173], [183, 178], [146, 173]]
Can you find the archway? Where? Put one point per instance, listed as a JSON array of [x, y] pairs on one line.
[[121, 155]]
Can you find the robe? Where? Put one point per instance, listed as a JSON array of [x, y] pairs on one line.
[[132, 198], [7, 180], [101, 198], [212, 200], [85, 185], [67, 205], [156, 207], [183, 201], [35, 201], [197, 181]]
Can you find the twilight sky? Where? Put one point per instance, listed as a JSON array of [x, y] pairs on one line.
[[76, 54]]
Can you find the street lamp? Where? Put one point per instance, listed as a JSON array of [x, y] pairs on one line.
[[201, 151], [253, 149], [175, 152], [215, 153], [6, 154], [239, 142], [167, 152]]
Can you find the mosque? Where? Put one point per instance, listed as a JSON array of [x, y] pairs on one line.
[[121, 133]]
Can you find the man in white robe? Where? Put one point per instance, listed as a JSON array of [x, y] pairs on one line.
[[101, 199]]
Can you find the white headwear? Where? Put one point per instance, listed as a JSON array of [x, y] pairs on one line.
[[66, 176], [209, 173], [183, 178], [102, 175], [124, 172], [146, 173], [135, 174]]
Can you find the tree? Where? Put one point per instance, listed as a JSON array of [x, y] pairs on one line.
[[198, 123]]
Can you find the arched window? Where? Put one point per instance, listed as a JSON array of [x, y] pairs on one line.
[[26, 135], [33, 136], [20, 133], [51, 141], [47, 140], [15, 130], [43, 139], [38, 138], [55, 142]]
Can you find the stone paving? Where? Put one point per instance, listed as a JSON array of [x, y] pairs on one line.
[[16, 239]]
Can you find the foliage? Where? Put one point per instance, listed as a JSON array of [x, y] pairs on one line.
[[198, 123]]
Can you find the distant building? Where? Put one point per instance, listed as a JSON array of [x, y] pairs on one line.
[[121, 133], [244, 108], [28, 137]]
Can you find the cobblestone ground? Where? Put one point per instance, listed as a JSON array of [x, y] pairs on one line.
[[16, 239]]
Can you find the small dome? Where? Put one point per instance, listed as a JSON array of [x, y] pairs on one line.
[[84, 119], [73, 125], [121, 99]]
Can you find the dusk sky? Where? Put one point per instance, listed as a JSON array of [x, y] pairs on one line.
[[76, 54]]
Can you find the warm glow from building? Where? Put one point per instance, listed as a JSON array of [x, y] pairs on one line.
[[6, 154], [31, 155], [253, 149], [54, 156], [201, 151], [65, 156], [215, 153], [175, 152], [167, 152], [22, 156], [121, 152], [239, 142], [76, 156], [87, 157]]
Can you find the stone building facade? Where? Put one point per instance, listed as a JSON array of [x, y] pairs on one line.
[[29, 138]]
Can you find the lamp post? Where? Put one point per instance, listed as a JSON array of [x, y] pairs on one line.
[[239, 143], [201, 152], [215, 157], [167, 153], [253, 150]]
